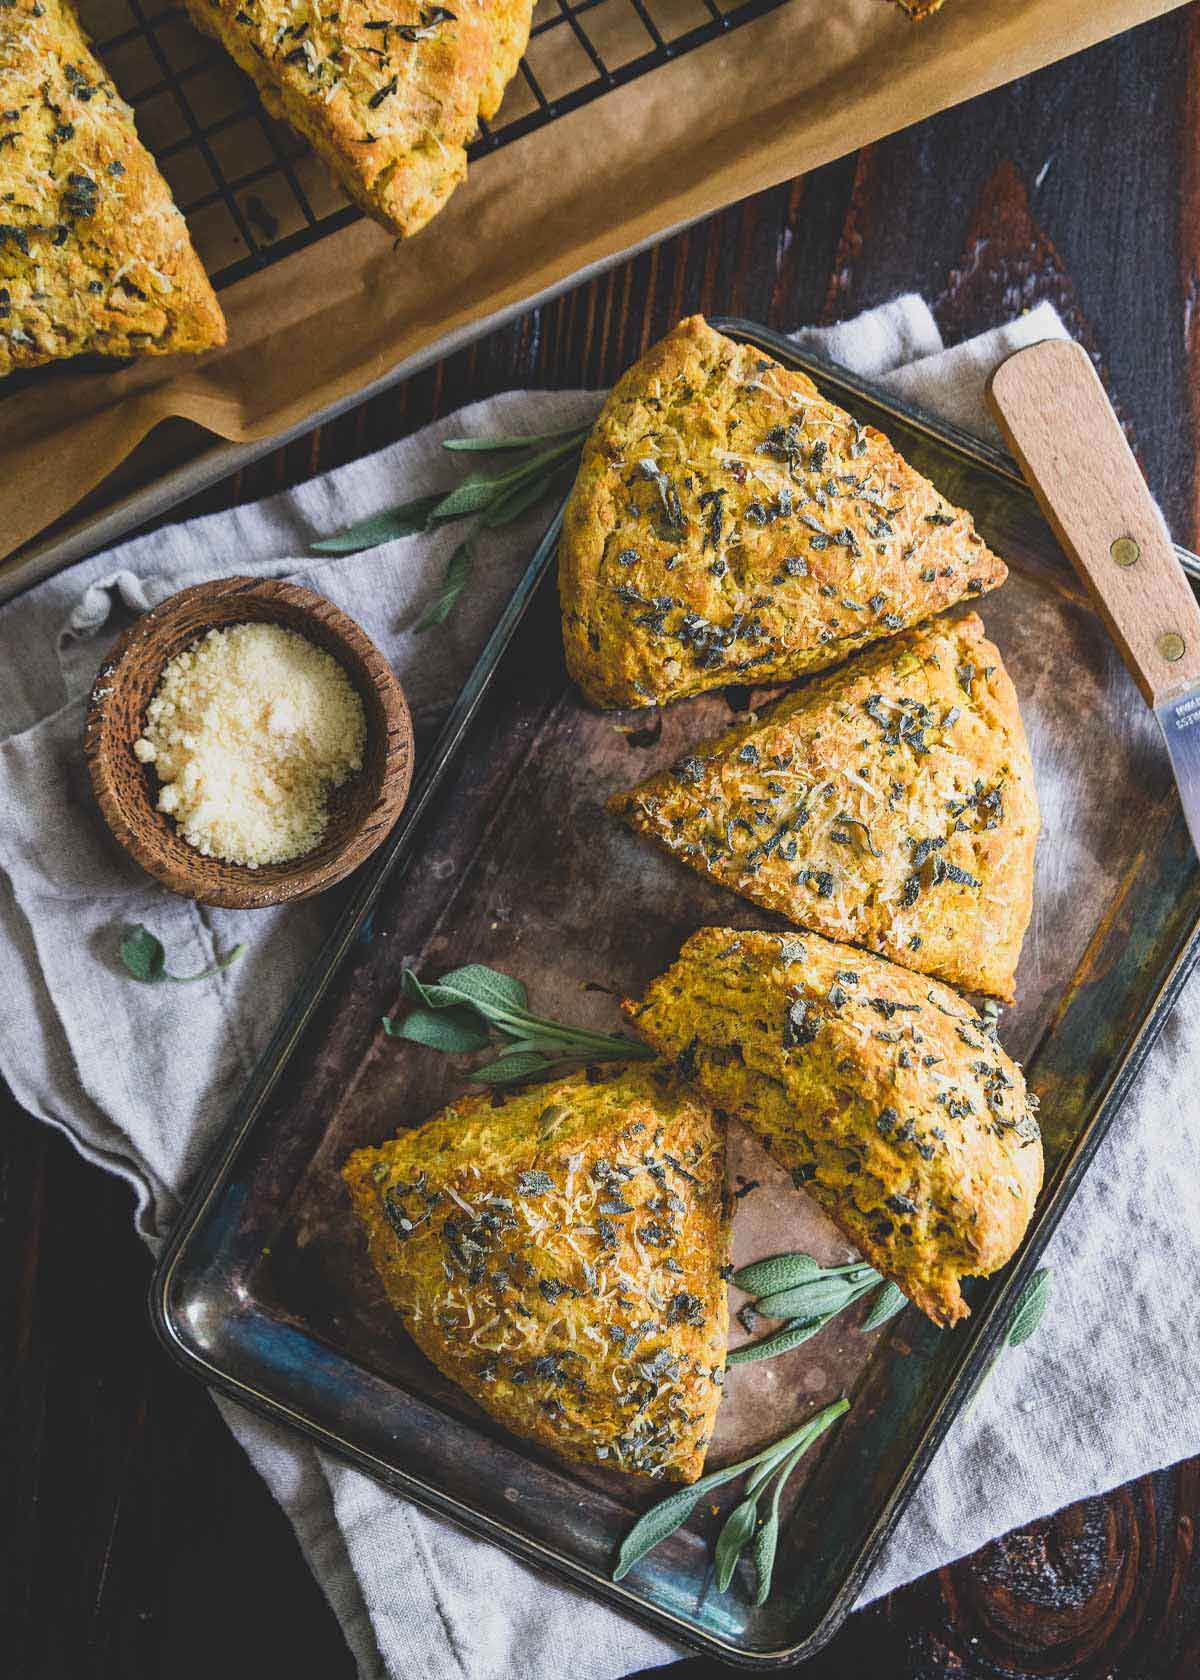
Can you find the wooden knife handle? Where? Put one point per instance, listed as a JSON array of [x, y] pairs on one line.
[[1069, 444]]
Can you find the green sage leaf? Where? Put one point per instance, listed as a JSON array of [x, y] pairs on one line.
[[513, 503], [488, 444], [476, 491], [454, 580], [501, 1002], [766, 1277], [665, 1518], [432, 995], [766, 1542], [820, 1295], [1031, 1308], [783, 1341], [143, 954], [456, 1032], [887, 1303], [736, 1534], [407, 520], [145, 959], [510, 1070], [486, 988]]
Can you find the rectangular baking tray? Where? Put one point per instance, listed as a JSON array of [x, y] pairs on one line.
[[504, 855]]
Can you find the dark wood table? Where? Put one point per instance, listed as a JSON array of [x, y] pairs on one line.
[[138, 1541]]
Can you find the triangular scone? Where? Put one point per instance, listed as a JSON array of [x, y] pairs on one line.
[[389, 92], [562, 1257], [729, 524], [889, 803], [94, 255], [881, 1092]]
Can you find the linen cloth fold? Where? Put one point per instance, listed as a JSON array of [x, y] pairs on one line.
[[143, 1084]]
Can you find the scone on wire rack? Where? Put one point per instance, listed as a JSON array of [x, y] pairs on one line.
[[94, 254], [389, 95]]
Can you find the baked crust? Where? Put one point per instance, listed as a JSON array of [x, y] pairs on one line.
[[728, 524], [918, 9], [888, 804], [94, 254], [563, 1261], [389, 92], [882, 1093]]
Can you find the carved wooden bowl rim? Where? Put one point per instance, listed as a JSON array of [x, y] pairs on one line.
[[362, 811]]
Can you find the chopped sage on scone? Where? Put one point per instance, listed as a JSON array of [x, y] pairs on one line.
[[562, 1256], [882, 1092], [94, 254], [390, 96], [889, 803], [729, 524]]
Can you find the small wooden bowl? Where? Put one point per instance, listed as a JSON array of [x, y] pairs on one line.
[[361, 811]]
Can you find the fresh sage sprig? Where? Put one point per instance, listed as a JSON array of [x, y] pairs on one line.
[[799, 1289], [496, 498], [145, 958], [808, 1295], [476, 1008], [742, 1527]]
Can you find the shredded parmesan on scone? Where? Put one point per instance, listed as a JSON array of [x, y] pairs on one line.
[[561, 1256]]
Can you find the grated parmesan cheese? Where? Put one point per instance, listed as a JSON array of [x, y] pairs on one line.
[[249, 731]]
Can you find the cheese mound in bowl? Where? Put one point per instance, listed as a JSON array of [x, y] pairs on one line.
[[250, 730]]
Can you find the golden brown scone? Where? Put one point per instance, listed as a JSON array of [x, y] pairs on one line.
[[94, 254], [889, 803], [390, 94], [562, 1257], [883, 1094], [728, 524]]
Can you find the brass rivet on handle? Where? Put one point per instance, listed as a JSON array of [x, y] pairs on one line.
[[1171, 646], [1125, 551]]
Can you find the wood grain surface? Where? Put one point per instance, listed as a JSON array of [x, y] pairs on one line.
[[137, 1541]]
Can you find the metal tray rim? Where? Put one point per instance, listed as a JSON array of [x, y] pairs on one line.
[[986, 1327]]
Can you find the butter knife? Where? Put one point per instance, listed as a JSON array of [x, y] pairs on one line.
[[1061, 428]]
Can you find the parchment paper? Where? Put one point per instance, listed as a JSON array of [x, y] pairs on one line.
[[808, 83]]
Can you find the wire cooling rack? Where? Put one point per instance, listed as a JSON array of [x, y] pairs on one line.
[[252, 190]]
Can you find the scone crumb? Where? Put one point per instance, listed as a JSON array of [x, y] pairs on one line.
[[249, 731]]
